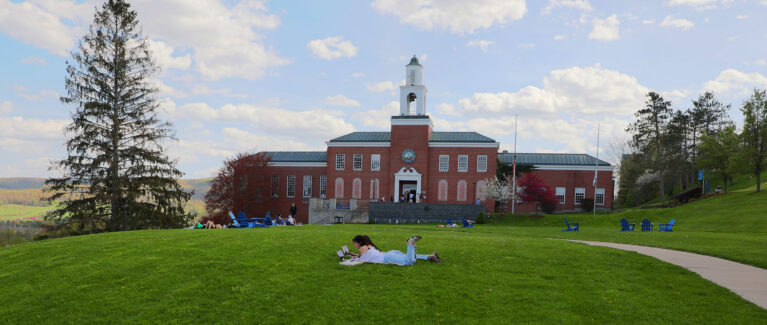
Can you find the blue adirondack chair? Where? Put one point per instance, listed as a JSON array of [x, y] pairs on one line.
[[571, 226], [646, 225], [449, 222], [626, 226], [268, 220], [467, 224], [235, 223], [666, 226], [243, 219]]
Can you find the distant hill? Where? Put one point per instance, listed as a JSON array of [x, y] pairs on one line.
[[199, 185]]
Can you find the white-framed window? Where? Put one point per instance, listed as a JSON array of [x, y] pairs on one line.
[[560, 195], [275, 186], [599, 197], [580, 193], [357, 188], [374, 188], [307, 185], [340, 161], [357, 162], [463, 163], [481, 163], [461, 191], [442, 190], [323, 186], [444, 163], [339, 188], [291, 186], [375, 162]]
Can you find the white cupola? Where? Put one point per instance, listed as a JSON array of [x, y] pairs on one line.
[[413, 93]]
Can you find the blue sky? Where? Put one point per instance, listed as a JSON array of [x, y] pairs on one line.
[[290, 75]]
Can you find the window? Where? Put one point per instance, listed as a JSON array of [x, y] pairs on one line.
[[461, 191], [375, 162], [374, 189], [323, 186], [580, 193], [444, 163], [307, 185], [560, 195], [275, 186], [599, 197], [463, 163], [442, 190], [482, 163], [357, 163], [357, 188], [480, 194], [340, 161], [291, 186], [339, 188]]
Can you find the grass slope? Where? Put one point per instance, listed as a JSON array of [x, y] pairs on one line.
[[732, 226], [291, 275]]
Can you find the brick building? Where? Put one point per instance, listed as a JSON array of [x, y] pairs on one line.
[[436, 167]]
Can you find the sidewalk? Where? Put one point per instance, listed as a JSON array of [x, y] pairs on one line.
[[747, 281]]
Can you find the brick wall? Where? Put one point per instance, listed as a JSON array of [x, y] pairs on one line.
[[570, 179], [387, 212]]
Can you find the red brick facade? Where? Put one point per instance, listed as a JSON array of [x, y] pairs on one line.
[[570, 180]]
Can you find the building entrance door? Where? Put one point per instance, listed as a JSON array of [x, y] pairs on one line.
[[408, 187]]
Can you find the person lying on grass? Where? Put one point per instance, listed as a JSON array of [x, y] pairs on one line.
[[208, 225], [369, 253]]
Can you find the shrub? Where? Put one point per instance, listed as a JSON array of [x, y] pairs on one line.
[[587, 204], [481, 218], [549, 207]]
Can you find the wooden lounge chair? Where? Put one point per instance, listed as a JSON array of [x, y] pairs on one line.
[[666, 226], [571, 226], [626, 226], [646, 225]]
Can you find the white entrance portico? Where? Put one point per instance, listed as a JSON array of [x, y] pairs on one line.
[[407, 174]]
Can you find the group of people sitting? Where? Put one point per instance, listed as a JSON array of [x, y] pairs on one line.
[[267, 220]]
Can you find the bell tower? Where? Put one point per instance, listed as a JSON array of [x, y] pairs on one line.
[[412, 98]]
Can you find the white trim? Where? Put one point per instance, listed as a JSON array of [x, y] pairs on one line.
[[298, 164], [572, 167], [358, 144], [412, 121], [407, 174], [464, 144]]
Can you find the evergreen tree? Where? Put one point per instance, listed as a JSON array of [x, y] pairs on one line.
[[707, 117], [116, 174], [752, 156], [648, 132], [716, 152]]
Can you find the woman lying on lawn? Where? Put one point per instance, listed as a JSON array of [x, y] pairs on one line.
[[369, 253]]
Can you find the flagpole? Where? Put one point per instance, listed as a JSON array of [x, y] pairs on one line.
[[596, 167], [514, 169]]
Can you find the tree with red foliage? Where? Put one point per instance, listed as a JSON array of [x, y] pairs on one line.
[[535, 190], [240, 185]]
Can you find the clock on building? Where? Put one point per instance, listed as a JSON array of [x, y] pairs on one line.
[[408, 156]]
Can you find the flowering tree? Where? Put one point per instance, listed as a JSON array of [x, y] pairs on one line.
[[497, 190], [240, 185], [535, 190]]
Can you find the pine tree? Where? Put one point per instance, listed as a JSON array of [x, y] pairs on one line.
[[648, 133], [116, 174]]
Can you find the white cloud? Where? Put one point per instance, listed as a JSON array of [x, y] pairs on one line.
[[245, 141], [314, 123], [482, 44], [34, 60], [163, 54], [682, 23], [166, 90], [41, 23], [447, 109], [559, 37], [30, 128], [358, 74], [378, 119], [583, 5], [332, 48], [5, 107], [381, 86], [699, 4], [526, 46], [605, 29], [458, 17], [648, 21], [757, 62], [341, 100], [735, 82], [575, 90], [741, 17], [37, 96]]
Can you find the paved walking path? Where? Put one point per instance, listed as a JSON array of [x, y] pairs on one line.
[[747, 281]]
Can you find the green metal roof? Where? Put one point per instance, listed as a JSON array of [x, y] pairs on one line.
[[459, 137], [364, 137], [298, 156], [410, 117], [472, 137], [568, 159], [414, 61]]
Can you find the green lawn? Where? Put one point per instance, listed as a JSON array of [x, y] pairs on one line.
[[12, 212], [490, 274]]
